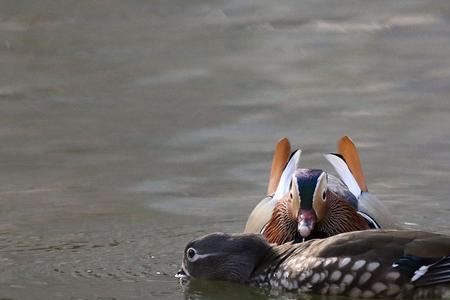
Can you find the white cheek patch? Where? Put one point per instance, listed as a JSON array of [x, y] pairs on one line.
[[321, 186]]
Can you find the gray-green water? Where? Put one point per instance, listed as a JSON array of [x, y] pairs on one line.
[[129, 127]]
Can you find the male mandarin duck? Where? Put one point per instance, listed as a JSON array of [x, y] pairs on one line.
[[310, 203], [368, 264]]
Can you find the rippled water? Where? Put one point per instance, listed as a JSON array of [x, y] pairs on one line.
[[128, 128]]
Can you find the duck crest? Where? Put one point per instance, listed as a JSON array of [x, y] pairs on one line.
[[307, 182]]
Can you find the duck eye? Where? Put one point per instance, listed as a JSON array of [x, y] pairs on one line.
[[190, 253], [324, 194]]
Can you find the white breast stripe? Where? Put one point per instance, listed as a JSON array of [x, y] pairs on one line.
[[370, 220], [263, 229]]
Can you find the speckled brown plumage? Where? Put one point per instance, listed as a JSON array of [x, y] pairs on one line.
[[363, 264], [359, 264]]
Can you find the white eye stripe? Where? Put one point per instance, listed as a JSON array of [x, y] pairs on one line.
[[201, 256]]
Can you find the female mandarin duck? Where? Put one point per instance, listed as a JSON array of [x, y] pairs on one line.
[[310, 203], [368, 264]]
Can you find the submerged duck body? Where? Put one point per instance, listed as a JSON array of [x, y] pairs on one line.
[[367, 264]]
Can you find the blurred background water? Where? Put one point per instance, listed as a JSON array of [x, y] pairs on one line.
[[129, 127]]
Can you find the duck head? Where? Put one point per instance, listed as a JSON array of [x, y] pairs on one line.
[[309, 195], [221, 256]]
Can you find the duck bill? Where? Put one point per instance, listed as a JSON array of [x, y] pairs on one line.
[[182, 273], [306, 222]]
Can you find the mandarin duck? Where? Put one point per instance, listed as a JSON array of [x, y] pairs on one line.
[[368, 264], [310, 203]]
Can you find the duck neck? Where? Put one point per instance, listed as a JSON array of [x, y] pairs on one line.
[[340, 217], [272, 260], [282, 226]]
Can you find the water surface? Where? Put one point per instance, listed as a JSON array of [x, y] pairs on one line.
[[128, 128]]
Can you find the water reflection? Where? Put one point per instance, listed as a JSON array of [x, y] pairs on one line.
[[203, 289]]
